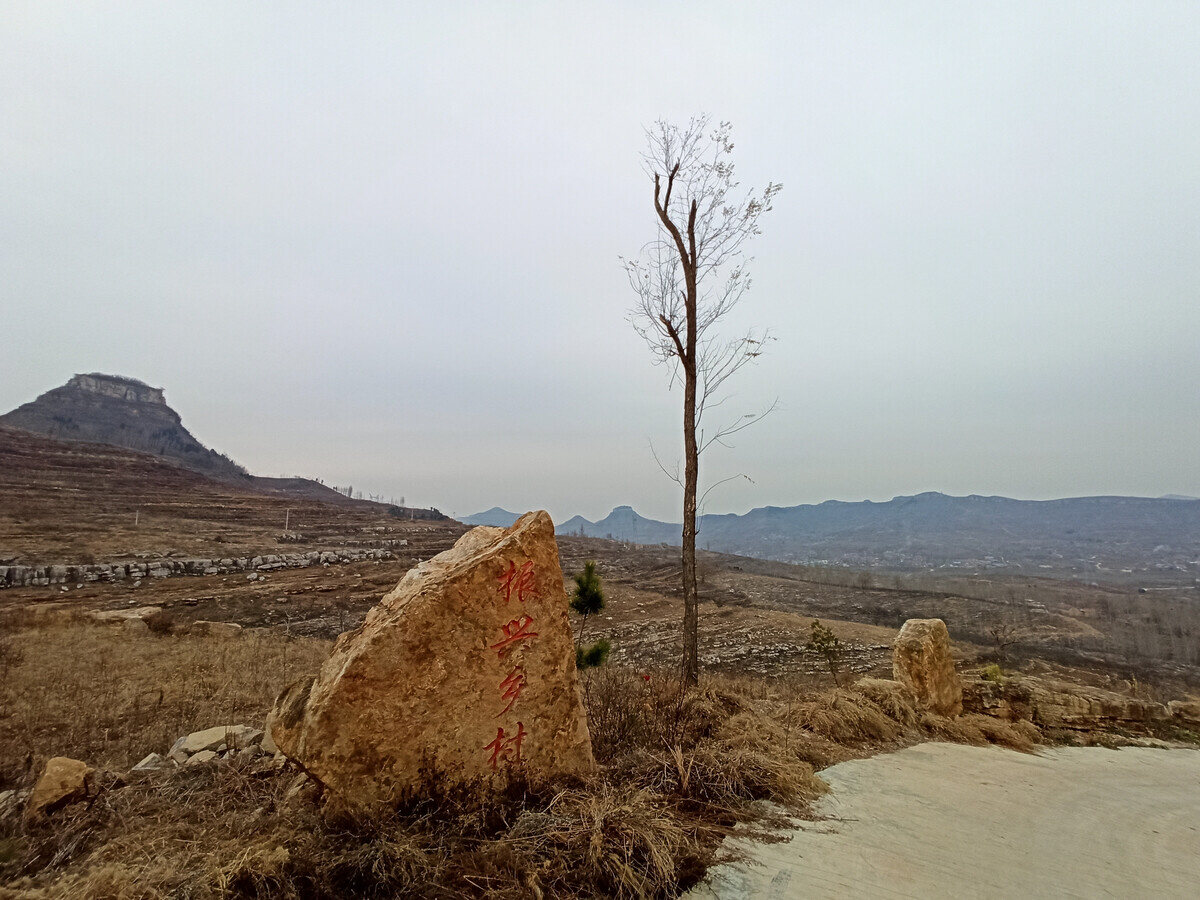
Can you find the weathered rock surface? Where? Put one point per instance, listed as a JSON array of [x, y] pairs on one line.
[[237, 736], [150, 763], [215, 629], [465, 671], [1185, 710], [922, 662], [1057, 704], [63, 781]]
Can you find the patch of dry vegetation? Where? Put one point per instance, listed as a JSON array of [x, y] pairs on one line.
[[678, 770], [95, 693]]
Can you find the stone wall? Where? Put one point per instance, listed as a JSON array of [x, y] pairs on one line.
[[38, 576]]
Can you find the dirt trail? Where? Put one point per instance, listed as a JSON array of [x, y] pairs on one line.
[[946, 820]]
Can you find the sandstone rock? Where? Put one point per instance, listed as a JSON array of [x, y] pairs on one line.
[[1185, 710], [135, 626], [202, 757], [63, 781], [922, 662], [122, 616], [268, 742], [215, 629], [150, 763], [464, 672], [1056, 704], [214, 738]]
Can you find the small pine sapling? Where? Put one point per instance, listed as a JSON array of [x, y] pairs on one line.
[[825, 643], [588, 600]]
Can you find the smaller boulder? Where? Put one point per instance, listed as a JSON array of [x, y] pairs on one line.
[[202, 757], [150, 763], [219, 738], [63, 781], [923, 663], [215, 629]]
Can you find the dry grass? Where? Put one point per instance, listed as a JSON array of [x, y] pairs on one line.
[[678, 770], [96, 693]]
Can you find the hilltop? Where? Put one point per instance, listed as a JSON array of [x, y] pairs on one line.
[[124, 412]]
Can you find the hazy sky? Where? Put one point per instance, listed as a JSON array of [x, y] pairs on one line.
[[378, 242]]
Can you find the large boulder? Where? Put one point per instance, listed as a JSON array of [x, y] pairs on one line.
[[63, 781], [463, 673], [922, 662]]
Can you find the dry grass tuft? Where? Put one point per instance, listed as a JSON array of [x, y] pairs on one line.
[[846, 717], [958, 731], [891, 697], [1020, 735]]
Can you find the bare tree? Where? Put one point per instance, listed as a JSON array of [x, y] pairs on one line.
[[687, 280]]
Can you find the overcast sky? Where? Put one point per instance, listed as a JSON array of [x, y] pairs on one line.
[[378, 243]]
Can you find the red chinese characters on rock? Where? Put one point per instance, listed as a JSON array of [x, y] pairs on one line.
[[506, 748], [518, 581], [516, 632], [511, 688]]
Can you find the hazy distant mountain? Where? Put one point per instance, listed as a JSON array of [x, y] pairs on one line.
[[495, 516], [1097, 535]]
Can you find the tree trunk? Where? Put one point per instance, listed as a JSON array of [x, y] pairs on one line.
[[691, 467], [691, 473]]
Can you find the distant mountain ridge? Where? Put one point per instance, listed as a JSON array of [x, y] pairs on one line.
[[1102, 536], [496, 517]]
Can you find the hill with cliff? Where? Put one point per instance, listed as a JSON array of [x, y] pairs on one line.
[[125, 412]]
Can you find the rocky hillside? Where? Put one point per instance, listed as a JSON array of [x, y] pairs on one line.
[[113, 409]]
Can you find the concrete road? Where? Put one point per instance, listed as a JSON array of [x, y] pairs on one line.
[[946, 820]]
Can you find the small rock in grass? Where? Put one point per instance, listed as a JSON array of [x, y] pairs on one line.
[[200, 758], [150, 763]]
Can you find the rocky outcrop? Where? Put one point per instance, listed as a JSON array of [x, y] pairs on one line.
[[923, 663], [1187, 711], [40, 576], [63, 781], [465, 672], [1056, 704]]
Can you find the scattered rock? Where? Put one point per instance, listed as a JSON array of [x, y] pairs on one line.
[[218, 738], [464, 671], [152, 762], [215, 629], [200, 758], [124, 616], [63, 781], [922, 662]]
